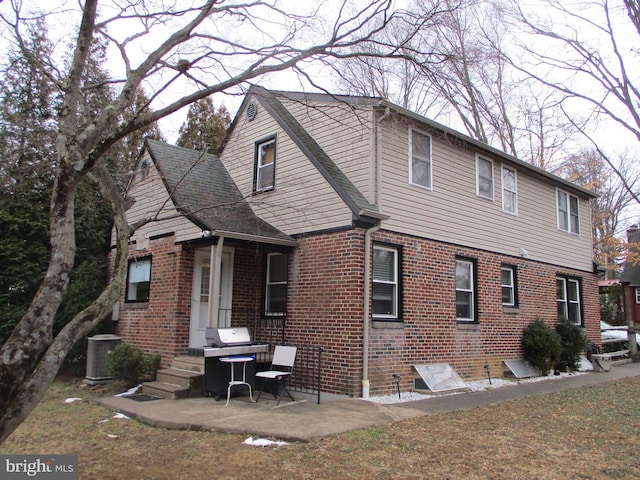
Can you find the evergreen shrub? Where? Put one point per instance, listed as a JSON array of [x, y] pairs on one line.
[[541, 346], [131, 364], [574, 342]]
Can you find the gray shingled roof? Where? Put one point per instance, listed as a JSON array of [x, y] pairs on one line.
[[349, 193], [202, 189]]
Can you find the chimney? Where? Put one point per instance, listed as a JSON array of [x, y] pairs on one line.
[[633, 234]]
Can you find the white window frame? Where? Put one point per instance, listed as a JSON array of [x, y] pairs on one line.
[[470, 291], [508, 191], [637, 294], [479, 160], [415, 157], [138, 272], [565, 302], [511, 286], [269, 284], [262, 169], [393, 282], [568, 218]]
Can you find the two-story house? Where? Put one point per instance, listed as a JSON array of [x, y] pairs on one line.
[[353, 224]]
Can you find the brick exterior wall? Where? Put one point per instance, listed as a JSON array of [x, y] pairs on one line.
[[325, 307], [161, 326]]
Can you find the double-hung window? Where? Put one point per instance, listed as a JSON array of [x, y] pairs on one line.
[[568, 299], [385, 295], [509, 190], [465, 290], [138, 280], [637, 294], [419, 159], [484, 177], [568, 216], [275, 296], [265, 174], [508, 282]]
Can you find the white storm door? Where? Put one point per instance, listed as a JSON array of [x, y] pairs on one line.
[[200, 296]]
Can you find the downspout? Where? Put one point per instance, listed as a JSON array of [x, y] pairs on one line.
[[366, 316], [214, 282], [367, 262]]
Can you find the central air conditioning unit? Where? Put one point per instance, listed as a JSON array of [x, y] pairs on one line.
[[98, 350]]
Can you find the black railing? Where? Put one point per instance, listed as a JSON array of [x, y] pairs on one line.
[[307, 371], [268, 330], [307, 377]]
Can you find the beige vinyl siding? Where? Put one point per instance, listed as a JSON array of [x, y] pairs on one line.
[[302, 200], [452, 212], [344, 133], [151, 197]]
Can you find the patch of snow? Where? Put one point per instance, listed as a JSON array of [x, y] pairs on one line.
[[263, 442], [72, 399], [474, 386], [120, 416], [131, 391]]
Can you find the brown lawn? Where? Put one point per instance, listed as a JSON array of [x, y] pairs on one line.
[[587, 433]]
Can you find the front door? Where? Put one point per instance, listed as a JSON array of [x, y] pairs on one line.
[[200, 295]]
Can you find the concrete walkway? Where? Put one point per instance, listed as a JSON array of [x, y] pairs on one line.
[[305, 421]]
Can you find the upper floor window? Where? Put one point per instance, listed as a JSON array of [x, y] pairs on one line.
[[138, 280], [265, 174], [385, 283], [637, 295], [419, 159], [484, 178], [568, 216], [465, 291], [509, 190], [508, 279], [568, 299], [275, 295]]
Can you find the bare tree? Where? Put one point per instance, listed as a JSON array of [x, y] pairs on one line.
[[591, 171], [468, 82], [207, 47], [586, 52]]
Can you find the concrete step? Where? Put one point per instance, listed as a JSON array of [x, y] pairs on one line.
[[195, 364], [175, 383], [176, 376], [165, 390]]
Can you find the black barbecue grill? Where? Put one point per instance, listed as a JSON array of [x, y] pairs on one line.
[[225, 342]]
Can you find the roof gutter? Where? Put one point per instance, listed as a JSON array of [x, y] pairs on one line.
[[254, 238]]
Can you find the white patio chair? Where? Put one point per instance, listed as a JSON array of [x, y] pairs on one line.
[[281, 367]]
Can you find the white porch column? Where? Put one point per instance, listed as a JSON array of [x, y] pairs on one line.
[[214, 282]]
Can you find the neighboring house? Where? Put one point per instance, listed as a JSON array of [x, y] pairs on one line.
[[353, 224], [630, 280]]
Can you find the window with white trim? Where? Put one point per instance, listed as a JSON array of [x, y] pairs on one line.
[[509, 190], [419, 159], [465, 291], [637, 294], [265, 174], [568, 299], [484, 177], [138, 280], [385, 294], [275, 295], [568, 215], [508, 283]]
